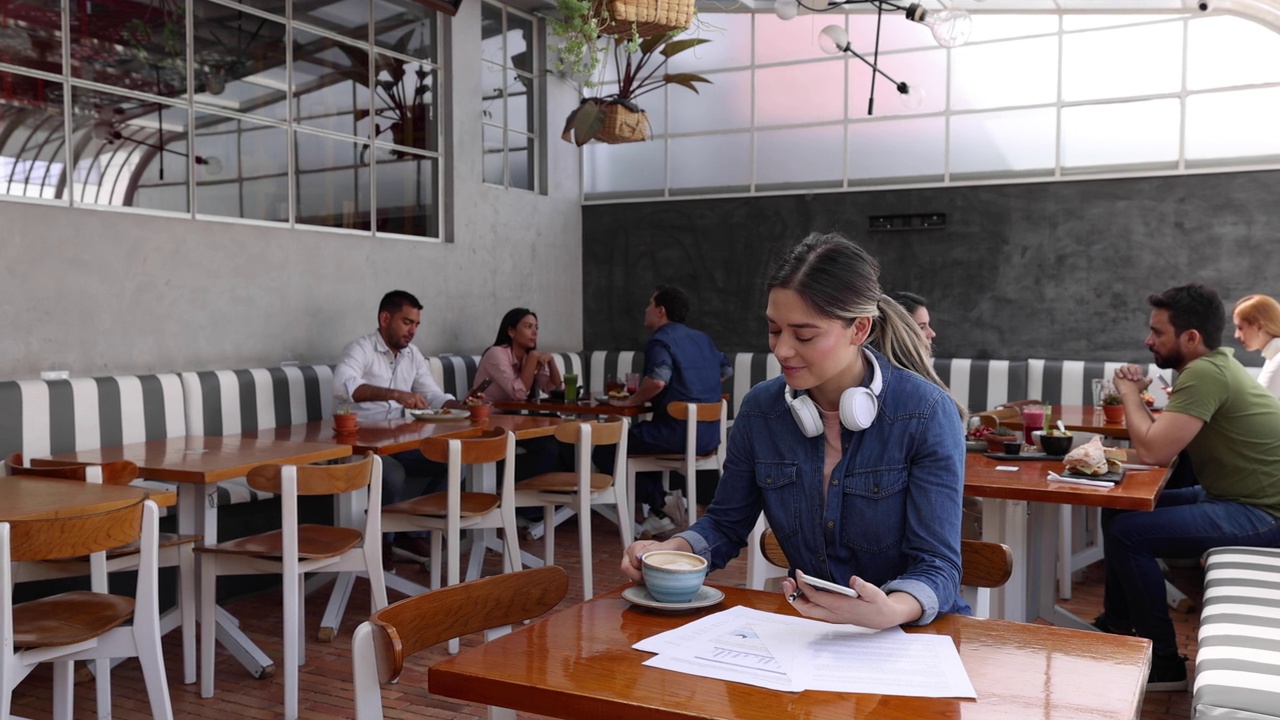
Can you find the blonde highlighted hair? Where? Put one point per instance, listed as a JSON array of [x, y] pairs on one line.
[[1260, 310]]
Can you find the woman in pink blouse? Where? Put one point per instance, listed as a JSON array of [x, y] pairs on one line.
[[514, 362]]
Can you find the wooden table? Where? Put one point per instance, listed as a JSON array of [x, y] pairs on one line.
[[582, 407], [1032, 531], [387, 437], [578, 663], [1082, 418], [29, 497], [196, 463]]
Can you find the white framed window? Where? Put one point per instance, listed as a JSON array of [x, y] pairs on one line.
[[510, 97]]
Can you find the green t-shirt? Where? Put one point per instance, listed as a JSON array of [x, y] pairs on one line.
[[1236, 455]]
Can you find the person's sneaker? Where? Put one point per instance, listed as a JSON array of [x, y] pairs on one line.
[[1101, 624], [414, 546], [1168, 673], [657, 525]]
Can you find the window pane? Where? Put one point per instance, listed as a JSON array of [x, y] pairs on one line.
[[803, 156], [728, 48], [1017, 72], [889, 149], [406, 27], [330, 81], [924, 71], [723, 105], [1142, 60], [896, 33], [494, 146], [519, 109], [627, 168], [794, 94], [123, 144], [1136, 133], [1003, 27], [275, 7], [234, 51], [1094, 22], [492, 97], [31, 34], [327, 182], [144, 48], [519, 161], [711, 162], [348, 18], [1008, 142], [1223, 51], [406, 196], [405, 103], [787, 40], [234, 150], [33, 154], [1233, 124]]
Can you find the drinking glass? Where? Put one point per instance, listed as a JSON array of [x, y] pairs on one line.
[[633, 383], [1099, 385], [1032, 420], [613, 384], [570, 387]]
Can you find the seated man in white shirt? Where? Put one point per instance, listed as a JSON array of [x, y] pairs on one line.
[[380, 375]]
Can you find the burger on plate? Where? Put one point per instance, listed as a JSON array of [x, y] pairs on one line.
[[1093, 459]]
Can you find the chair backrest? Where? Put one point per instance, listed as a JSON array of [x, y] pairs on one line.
[[704, 412], [1019, 403], [983, 564], [120, 472], [315, 479], [412, 625], [480, 447], [73, 536], [609, 432], [994, 418]]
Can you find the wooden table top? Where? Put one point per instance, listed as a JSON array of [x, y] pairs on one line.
[[386, 437], [205, 460], [1137, 491], [583, 407], [1084, 418], [25, 497], [578, 663]]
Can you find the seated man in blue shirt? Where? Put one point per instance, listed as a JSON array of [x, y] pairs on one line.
[[680, 365]]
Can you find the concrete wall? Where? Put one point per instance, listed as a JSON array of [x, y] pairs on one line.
[[99, 292], [1052, 270]]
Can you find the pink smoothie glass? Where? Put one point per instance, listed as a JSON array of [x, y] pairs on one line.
[[1032, 420]]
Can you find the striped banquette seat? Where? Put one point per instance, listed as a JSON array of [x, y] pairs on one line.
[[1237, 671]]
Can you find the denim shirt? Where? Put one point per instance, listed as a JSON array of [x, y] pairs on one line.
[[692, 368], [892, 511]]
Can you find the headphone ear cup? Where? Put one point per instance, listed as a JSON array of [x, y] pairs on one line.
[[858, 408], [806, 414]]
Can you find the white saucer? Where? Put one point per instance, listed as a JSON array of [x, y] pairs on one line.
[[639, 595]]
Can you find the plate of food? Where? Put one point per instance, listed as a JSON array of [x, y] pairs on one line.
[[438, 415], [1095, 462]]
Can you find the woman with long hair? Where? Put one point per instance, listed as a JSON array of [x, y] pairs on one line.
[[855, 454], [518, 368], [1257, 321]]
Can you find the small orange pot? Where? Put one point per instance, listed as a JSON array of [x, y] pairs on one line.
[[479, 412], [345, 422], [1113, 413]]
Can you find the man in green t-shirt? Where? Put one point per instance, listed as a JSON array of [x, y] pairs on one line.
[[1229, 426]]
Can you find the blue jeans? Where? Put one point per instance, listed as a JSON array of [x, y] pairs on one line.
[[1185, 523], [410, 474]]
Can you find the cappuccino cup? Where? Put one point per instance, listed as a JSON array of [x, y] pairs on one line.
[[673, 576]]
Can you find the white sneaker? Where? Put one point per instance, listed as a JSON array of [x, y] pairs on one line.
[[654, 525]]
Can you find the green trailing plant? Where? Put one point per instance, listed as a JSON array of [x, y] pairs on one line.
[[578, 27], [640, 70]]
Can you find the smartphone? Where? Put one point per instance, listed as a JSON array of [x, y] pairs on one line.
[[825, 585], [484, 385]]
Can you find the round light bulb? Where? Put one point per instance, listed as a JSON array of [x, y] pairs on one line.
[[951, 28], [211, 165], [913, 98], [786, 9], [833, 39]]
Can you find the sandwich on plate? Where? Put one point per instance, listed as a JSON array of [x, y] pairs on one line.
[[1093, 459]]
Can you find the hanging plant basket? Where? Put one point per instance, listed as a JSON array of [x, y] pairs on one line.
[[623, 125], [649, 18]]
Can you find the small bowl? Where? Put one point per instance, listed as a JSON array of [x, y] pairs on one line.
[[995, 443], [1056, 444], [673, 576], [1013, 447], [479, 412]]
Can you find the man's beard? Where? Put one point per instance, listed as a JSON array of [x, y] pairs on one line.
[[1172, 361]]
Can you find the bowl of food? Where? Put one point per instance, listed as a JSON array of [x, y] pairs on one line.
[[1055, 442], [996, 443]]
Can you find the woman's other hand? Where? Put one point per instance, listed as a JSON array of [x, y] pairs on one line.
[[872, 608]]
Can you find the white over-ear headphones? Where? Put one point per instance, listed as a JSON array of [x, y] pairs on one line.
[[858, 405]]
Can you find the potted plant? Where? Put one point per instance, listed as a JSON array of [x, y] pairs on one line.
[[998, 437], [579, 24], [344, 419], [615, 117], [479, 408], [406, 115], [1113, 407]]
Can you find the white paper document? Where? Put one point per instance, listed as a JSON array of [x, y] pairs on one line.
[[784, 652]]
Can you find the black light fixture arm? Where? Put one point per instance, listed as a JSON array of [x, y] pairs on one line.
[[833, 4]]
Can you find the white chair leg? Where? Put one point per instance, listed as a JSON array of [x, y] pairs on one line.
[[302, 619], [291, 588], [377, 581], [549, 534], [146, 638], [511, 539], [64, 690], [208, 621], [1064, 551], [437, 539], [584, 542], [187, 610], [102, 687]]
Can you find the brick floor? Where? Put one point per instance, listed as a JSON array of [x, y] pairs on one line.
[[326, 676]]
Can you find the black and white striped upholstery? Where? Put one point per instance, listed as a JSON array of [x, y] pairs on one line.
[[1069, 382], [456, 374], [45, 417], [229, 402], [1237, 671], [983, 384]]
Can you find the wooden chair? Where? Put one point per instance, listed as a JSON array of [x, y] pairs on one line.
[[999, 416], [82, 625], [689, 461], [392, 635], [583, 488], [1019, 404], [453, 509], [983, 565], [293, 551], [175, 551]]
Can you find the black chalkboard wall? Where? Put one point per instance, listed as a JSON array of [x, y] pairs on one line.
[[1047, 270]]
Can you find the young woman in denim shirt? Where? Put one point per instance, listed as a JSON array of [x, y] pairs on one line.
[[878, 508]]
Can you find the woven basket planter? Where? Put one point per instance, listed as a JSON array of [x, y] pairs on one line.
[[649, 17], [622, 125]]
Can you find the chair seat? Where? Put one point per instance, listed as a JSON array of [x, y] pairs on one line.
[[68, 618], [564, 482], [668, 456], [314, 541], [166, 540], [436, 504]]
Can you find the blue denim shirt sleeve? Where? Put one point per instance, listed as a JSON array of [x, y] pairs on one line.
[[658, 363]]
